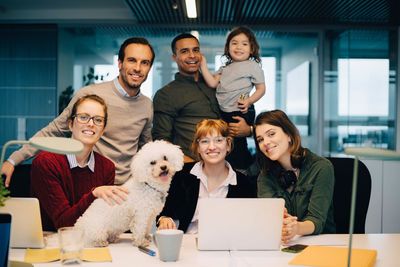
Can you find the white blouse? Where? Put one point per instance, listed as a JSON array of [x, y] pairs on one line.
[[220, 192]]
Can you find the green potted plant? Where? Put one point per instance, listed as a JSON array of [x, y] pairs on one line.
[[4, 193]]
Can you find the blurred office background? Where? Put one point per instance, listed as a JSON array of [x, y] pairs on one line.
[[332, 65]]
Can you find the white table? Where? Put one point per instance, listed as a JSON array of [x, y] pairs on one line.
[[124, 254]]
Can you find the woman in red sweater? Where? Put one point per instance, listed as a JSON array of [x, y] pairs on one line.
[[67, 184]]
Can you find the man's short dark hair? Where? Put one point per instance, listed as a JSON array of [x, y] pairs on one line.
[[134, 40], [179, 37]]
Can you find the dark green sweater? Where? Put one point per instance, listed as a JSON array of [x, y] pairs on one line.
[[311, 198], [179, 106]]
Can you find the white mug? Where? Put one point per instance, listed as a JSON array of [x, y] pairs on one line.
[[168, 243]]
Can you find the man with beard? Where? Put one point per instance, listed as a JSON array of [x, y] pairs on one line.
[[130, 114], [182, 103]]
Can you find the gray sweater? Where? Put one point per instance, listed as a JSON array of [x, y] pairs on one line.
[[128, 127]]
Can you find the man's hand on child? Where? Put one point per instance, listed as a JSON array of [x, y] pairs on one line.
[[239, 128]]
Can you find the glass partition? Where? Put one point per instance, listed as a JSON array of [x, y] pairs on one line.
[[359, 90], [290, 65], [28, 84], [289, 61], [337, 86]]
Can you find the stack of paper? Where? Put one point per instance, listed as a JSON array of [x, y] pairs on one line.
[[53, 254], [334, 257]]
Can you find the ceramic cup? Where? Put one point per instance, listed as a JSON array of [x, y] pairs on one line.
[[168, 243]]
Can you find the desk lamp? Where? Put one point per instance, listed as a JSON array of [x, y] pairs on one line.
[[365, 152], [60, 145]]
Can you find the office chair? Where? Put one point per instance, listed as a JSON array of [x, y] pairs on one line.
[[21, 181], [343, 168]]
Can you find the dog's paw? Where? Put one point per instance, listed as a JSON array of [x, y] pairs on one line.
[[142, 242], [113, 239], [136, 242], [146, 242], [148, 237], [100, 243]]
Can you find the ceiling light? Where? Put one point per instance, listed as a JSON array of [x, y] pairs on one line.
[[191, 9], [195, 34]]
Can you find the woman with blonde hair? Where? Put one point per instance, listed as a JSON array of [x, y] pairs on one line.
[[67, 184], [211, 177]]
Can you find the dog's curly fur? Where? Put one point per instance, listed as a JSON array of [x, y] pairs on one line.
[[152, 170]]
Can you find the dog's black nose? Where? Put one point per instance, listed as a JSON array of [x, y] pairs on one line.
[[163, 167]]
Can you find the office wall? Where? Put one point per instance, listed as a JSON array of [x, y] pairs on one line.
[[65, 60], [383, 212], [28, 67]]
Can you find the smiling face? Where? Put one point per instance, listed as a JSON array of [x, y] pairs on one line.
[[156, 163], [187, 56], [88, 133], [135, 67], [162, 170], [213, 148], [240, 48], [273, 142]]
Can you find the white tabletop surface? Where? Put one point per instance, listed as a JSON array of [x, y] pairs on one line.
[[124, 254]]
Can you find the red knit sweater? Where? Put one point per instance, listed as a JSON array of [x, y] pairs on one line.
[[64, 194]]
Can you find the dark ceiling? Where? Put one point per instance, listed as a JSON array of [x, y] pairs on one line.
[[258, 13], [266, 18]]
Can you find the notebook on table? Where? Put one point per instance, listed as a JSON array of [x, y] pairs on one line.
[[26, 227], [240, 223]]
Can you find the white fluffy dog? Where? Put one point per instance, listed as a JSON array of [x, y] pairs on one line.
[[152, 169]]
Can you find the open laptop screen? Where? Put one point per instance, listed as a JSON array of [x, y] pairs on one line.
[[240, 223], [26, 230]]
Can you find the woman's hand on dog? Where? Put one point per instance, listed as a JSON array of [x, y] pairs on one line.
[[166, 223], [117, 193]]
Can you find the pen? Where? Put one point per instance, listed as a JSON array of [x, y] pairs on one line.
[[147, 251]]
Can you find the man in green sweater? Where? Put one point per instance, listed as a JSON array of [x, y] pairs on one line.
[[130, 114], [182, 103]]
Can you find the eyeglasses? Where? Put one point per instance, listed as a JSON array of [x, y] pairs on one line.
[[85, 118], [207, 140]]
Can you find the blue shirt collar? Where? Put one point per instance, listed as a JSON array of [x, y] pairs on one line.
[[122, 91]]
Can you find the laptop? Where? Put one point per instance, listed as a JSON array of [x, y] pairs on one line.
[[240, 223], [26, 228], [5, 233]]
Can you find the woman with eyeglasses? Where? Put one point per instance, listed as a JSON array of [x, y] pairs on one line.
[[67, 184], [211, 177], [289, 171]]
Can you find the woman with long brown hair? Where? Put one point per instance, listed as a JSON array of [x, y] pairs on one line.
[[289, 171]]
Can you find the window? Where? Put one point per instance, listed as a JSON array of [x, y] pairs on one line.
[[363, 87], [359, 91]]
